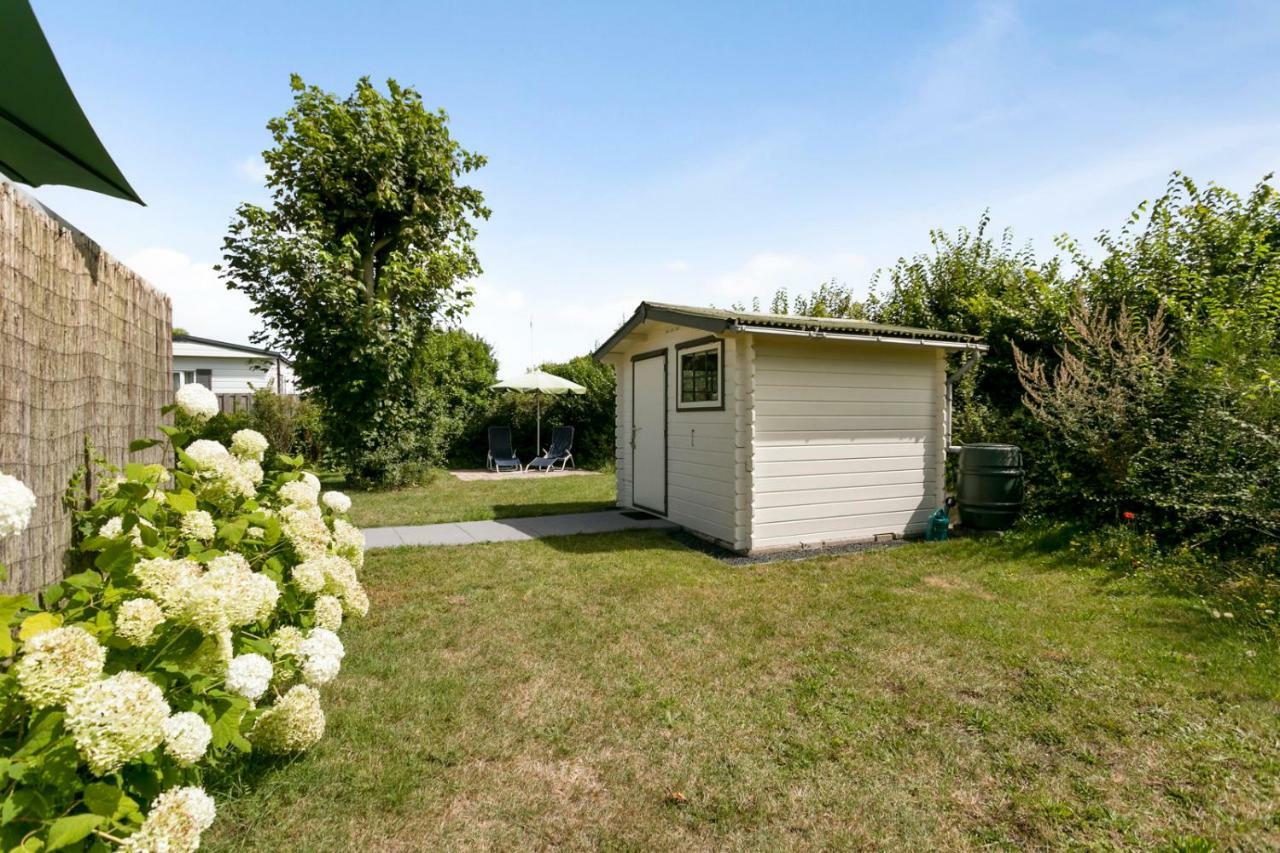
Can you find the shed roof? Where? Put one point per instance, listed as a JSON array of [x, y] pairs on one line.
[[719, 320], [227, 345]]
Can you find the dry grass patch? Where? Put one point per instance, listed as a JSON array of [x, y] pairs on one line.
[[624, 692]]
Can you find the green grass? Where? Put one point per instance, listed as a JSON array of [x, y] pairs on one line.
[[625, 692], [447, 498]]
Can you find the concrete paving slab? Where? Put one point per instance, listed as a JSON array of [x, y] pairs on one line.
[[509, 529], [434, 534], [494, 531], [381, 537]]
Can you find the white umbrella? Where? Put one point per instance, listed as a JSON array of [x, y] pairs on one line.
[[539, 382]]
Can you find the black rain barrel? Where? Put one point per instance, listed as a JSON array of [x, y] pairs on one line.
[[989, 492]]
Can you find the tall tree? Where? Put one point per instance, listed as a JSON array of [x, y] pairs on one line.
[[366, 247]]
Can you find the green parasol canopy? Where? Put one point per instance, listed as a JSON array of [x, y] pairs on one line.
[[539, 382], [44, 135]]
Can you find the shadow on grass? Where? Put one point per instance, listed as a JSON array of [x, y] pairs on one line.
[[536, 510], [621, 541]]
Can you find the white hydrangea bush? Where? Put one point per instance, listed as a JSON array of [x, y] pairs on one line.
[[198, 627]]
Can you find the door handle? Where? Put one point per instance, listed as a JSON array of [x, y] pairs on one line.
[[634, 430]]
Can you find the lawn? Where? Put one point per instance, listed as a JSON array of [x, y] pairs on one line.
[[626, 692], [445, 498]]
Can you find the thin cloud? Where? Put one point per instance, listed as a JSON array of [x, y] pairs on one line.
[[202, 304], [253, 168]]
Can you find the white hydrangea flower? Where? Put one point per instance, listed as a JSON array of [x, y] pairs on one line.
[[248, 444], [356, 601], [328, 612], [205, 454], [310, 576], [137, 620], [114, 528], [348, 542], [56, 663], [175, 823], [255, 533], [321, 656], [187, 737], [116, 719], [218, 471], [228, 594], [249, 675], [198, 524], [293, 724], [167, 581], [197, 401], [286, 641], [16, 505], [337, 501], [251, 469], [300, 493], [305, 529]]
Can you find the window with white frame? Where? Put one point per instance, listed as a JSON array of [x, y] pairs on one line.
[[183, 377], [700, 374]]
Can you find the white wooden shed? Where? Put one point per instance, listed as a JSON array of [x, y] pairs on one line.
[[768, 431]]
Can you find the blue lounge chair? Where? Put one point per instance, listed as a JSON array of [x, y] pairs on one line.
[[501, 456], [559, 452]]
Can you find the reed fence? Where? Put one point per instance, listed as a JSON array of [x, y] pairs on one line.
[[85, 350]]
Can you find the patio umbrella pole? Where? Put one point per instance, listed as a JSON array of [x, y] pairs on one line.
[[537, 451]]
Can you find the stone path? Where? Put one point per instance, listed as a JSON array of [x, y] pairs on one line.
[[509, 529]]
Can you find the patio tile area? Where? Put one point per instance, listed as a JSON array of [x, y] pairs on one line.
[[472, 475]]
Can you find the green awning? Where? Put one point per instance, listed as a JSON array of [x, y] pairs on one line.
[[44, 135]]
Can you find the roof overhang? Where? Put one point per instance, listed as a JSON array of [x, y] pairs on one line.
[[859, 338], [237, 350], [813, 328]]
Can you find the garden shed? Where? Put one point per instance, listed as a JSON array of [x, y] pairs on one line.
[[766, 431]]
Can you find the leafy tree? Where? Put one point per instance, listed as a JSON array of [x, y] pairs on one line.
[[454, 371], [366, 247]]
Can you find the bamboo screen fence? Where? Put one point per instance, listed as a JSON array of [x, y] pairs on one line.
[[85, 349]]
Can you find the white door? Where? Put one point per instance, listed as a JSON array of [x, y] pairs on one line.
[[649, 432]]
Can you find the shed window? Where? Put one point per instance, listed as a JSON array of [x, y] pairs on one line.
[[701, 375]]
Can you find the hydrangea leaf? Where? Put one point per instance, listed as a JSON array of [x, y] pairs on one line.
[[116, 556], [107, 800], [139, 444], [69, 830], [183, 501], [38, 623]]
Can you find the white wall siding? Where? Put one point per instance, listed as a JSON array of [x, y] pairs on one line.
[[236, 375], [745, 410], [847, 441], [702, 445]]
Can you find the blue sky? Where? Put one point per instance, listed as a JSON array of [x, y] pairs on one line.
[[698, 153]]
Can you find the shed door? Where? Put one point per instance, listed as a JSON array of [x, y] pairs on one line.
[[649, 431]]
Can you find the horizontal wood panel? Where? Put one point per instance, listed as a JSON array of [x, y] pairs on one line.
[[724, 488], [843, 408], [846, 527], [912, 528], [793, 448], [893, 460], [846, 393], [909, 471], [849, 510], [769, 435], [879, 362], [766, 379]]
